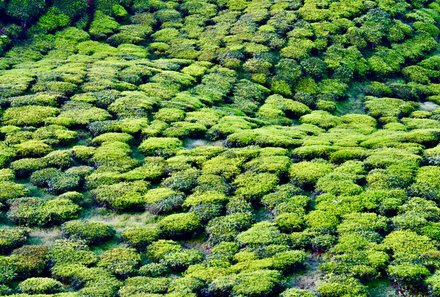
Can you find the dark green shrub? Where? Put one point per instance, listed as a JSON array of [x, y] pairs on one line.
[[25, 10], [71, 8], [92, 232], [180, 224], [40, 285], [30, 260], [55, 180]]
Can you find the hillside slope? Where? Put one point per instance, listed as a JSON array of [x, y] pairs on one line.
[[219, 148]]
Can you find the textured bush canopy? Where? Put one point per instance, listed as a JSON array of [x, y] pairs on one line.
[[204, 148]]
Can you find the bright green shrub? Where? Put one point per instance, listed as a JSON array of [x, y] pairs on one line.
[[321, 220], [153, 269], [144, 286], [112, 136], [40, 285], [122, 196], [170, 115], [427, 182], [321, 118], [225, 228], [338, 286], [256, 283], [407, 245], [102, 25], [289, 221], [255, 185], [224, 166], [361, 222], [433, 282], [433, 155], [205, 197], [55, 135], [115, 154], [297, 293], [6, 153], [307, 173], [163, 200], [140, 237], [11, 190], [37, 212], [68, 251], [262, 233], [158, 249], [184, 180], [160, 145], [180, 224], [25, 166], [153, 168], [92, 232], [7, 175], [120, 261], [31, 115], [286, 193], [180, 261], [278, 165], [60, 159], [11, 238], [32, 148], [52, 20], [388, 108], [80, 113], [407, 273]]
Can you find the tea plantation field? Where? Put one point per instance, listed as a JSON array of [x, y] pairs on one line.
[[214, 148]]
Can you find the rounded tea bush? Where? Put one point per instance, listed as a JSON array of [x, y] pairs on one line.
[[180, 224], [40, 285], [11, 238], [92, 232]]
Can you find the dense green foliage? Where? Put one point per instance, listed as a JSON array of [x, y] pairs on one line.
[[204, 148]]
